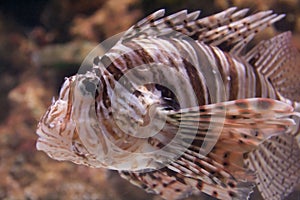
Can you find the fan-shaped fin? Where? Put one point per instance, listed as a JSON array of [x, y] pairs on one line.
[[278, 60]]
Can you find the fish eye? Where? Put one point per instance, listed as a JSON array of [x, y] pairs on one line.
[[89, 86]]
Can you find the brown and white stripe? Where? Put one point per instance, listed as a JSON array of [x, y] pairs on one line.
[[239, 78]]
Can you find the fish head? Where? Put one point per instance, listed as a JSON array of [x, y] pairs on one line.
[[61, 130], [56, 127]]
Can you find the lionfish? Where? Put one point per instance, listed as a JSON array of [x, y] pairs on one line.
[[180, 106]]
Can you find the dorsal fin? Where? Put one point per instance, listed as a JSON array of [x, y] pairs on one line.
[[238, 33], [154, 25], [229, 27], [278, 60]]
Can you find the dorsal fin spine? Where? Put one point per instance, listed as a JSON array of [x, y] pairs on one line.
[[229, 26]]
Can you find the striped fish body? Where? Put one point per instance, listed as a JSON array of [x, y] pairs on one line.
[[239, 80], [178, 108]]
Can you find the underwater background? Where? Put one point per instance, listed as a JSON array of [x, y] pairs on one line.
[[43, 41]]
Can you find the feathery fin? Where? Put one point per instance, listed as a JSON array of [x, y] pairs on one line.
[[276, 162], [278, 60], [167, 184], [171, 183], [229, 28], [269, 115], [220, 173]]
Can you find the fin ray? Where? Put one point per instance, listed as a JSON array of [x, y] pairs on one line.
[[276, 162], [229, 27], [278, 60]]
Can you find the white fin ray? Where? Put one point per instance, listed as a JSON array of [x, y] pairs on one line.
[[239, 33], [221, 173], [253, 113], [165, 182], [278, 60], [276, 162], [153, 26], [229, 28], [182, 178]]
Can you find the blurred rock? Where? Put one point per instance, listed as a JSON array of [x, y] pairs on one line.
[[58, 15], [29, 98], [15, 52], [110, 19], [65, 54]]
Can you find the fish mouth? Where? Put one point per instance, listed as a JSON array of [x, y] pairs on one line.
[[52, 132]]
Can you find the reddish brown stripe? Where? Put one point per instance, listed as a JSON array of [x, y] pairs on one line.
[[111, 67], [162, 53], [246, 86], [105, 97], [63, 92], [234, 83], [203, 69], [140, 52], [258, 89], [177, 176], [195, 82], [127, 60], [220, 67], [116, 72], [182, 51]]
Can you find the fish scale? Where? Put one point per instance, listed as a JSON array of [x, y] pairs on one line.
[[225, 121]]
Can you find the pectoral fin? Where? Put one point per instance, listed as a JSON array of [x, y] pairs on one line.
[[241, 124]]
